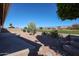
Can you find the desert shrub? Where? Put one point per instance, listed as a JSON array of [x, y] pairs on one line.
[[24, 30], [31, 28], [28, 30], [54, 34], [44, 33]]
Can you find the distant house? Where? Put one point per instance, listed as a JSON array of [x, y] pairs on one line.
[[61, 28], [51, 28]]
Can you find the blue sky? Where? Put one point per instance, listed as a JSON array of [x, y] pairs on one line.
[[42, 14]]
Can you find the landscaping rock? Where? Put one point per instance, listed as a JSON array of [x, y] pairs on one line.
[[46, 51]]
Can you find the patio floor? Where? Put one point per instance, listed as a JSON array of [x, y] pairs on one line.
[[10, 43]]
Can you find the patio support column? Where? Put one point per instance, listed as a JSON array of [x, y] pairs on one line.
[[3, 13]]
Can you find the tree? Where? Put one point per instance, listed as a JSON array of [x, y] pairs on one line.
[[31, 28], [25, 27], [68, 10], [41, 28], [11, 25]]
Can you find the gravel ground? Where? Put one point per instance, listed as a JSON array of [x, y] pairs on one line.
[[45, 41]]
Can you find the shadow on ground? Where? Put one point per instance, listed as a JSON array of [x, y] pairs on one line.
[[33, 52], [10, 43], [53, 43], [71, 45]]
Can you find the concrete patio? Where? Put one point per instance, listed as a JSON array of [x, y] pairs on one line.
[[10, 43]]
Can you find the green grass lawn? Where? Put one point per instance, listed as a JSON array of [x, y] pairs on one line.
[[69, 31], [63, 31]]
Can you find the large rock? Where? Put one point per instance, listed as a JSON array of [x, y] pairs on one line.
[[46, 51]]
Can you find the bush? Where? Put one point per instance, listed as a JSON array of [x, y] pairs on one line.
[[54, 34], [24, 30], [28, 31], [44, 33], [31, 28]]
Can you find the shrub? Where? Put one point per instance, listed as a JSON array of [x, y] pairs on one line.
[[44, 33], [24, 30], [28, 31], [54, 34], [31, 28]]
